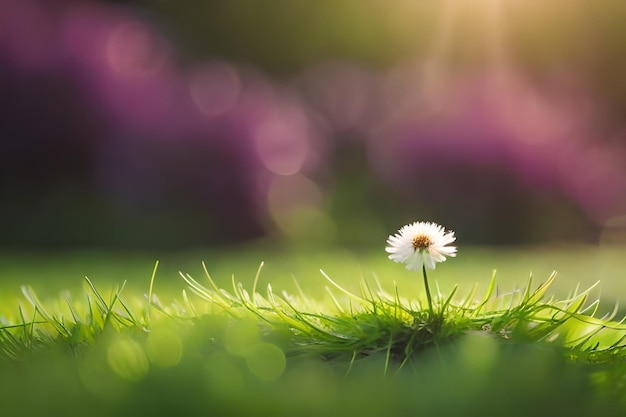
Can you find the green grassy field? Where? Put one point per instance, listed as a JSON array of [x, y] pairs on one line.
[[51, 272], [216, 365]]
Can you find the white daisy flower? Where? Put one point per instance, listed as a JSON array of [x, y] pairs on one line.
[[421, 243]]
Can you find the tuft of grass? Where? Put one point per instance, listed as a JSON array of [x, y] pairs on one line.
[[375, 320], [348, 327]]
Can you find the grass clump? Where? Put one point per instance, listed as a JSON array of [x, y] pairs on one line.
[[349, 326], [364, 351], [373, 320]]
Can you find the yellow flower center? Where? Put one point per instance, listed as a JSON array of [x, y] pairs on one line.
[[421, 242]]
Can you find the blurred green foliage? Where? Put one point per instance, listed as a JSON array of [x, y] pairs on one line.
[[283, 36]]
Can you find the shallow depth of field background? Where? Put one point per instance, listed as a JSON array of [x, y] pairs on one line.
[[152, 128]]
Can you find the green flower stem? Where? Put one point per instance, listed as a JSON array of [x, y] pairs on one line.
[[430, 301]]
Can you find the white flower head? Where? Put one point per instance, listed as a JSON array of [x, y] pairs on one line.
[[421, 243]]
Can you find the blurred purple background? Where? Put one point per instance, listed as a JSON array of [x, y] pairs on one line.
[[160, 124]]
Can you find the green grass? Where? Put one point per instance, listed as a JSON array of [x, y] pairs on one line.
[[355, 338]]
